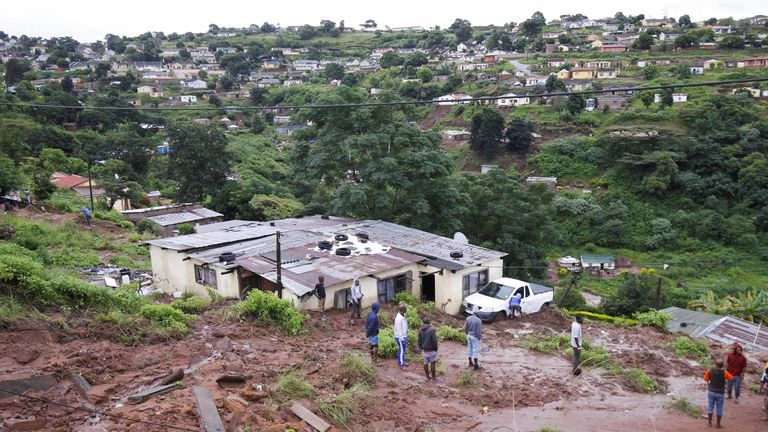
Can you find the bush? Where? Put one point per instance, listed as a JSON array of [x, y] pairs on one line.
[[166, 316], [684, 406], [690, 348], [653, 318], [446, 332], [10, 311], [406, 297], [388, 346], [186, 229], [356, 369], [412, 317], [190, 305], [268, 307], [466, 379], [145, 226], [111, 216], [574, 300], [345, 405], [545, 344], [293, 385], [74, 258], [637, 379], [606, 318]]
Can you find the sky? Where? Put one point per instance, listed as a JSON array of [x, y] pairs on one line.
[[90, 20]]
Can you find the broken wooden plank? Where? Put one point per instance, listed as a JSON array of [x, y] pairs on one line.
[[81, 385], [42, 383], [310, 417], [173, 377], [230, 380], [206, 407], [143, 395]]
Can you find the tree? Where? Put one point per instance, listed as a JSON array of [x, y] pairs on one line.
[[198, 161], [685, 22], [268, 28], [637, 293], [213, 29], [650, 72], [102, 71], [731, 42], [711, 22], [416, 60], [646, 98], [390, 59], [67, 85], [129, 145], [425, 74], [519, 135], [257, 96], [553, 84], [686, 41], [327, 26], [306, 32], [575, 104], [643, 42], [334, 71], [369, 24], [10, 179], [462, 29], [533, 26], [683, 71], [15, 70], [486, 131], [666, 98]]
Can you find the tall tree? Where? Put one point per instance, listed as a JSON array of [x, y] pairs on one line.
[[197, 161], [519, 135], [462, 29], [486, 132]]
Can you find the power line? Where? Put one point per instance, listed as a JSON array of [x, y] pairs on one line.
[[389, 103], [93, 411]]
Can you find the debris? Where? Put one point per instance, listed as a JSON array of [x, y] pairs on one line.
[[224, 345], [141, 396], [173, 377], [81, 384], [27, 424], [42, 383], [310, 417], [230, 380], [254, 395], [26, 356], [235, 404], [209, 415]]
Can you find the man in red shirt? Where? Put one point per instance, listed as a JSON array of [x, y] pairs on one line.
[[736, 364]]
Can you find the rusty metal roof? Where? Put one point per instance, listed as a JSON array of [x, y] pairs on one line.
[[723, 329]]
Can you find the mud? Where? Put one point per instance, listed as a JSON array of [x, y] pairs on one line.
[[517, 388]]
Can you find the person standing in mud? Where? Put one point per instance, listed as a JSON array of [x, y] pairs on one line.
[[356, 296], [372, 331], [428, 344], [576, 342], [736, 365], [473, 327], [716, 378], [401, 334], [320, 294]]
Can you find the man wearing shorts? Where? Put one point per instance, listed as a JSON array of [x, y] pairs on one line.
[[320, 294], [428, 345], [372, 330]]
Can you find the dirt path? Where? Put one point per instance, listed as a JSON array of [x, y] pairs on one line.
[[521, 389]]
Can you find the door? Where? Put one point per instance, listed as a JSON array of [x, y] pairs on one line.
[[428, 288], [528, 302], [342, 298]]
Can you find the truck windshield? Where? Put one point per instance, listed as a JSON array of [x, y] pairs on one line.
[[501, 292]]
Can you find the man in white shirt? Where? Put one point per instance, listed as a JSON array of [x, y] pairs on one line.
[[576, 342], [356, 294], [401, 335]]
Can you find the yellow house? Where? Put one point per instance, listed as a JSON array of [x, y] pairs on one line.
[[234, 257], [564, 74], [583, 73]]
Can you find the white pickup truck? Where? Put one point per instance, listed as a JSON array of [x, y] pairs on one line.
[[492, 300]]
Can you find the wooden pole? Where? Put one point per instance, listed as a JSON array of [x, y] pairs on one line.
[[278, 261], [568, 289]]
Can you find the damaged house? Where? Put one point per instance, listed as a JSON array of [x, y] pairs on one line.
[[234, 257]]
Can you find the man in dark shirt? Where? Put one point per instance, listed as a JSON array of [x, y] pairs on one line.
[[473, 328], [428, 345], [320, 293], [736, 364], [372, 331], [716, 377]]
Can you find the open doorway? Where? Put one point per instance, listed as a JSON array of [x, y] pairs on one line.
[[428, 288]]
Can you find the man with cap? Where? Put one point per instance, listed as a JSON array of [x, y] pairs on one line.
[[372, 331], [473, 327], [736, 364]]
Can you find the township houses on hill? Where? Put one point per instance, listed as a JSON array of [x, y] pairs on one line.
[[76, 183], [234, 257], [169, 218]]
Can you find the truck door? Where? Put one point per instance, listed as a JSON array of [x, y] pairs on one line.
[[527, 303]]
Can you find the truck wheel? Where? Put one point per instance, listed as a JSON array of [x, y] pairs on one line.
[[545, 306], [500, 316]]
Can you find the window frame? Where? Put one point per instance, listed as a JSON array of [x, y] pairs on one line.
[[481, 279], [206, 276]]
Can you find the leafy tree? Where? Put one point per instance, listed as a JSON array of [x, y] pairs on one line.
[[462, 29], [416, 60], [327, 26], [334, 71], [102, 71], [575, 104], [268, 28], [307, 32], [650, 72], [519, 135], [15, 70], [731, 42], [369, 24], [534, 25], [637, 293], [683, 71], [711, 22], [666, 98], [390, 59], [643, 42], [198, 161], [271, 207], [128, 144], [686, 41], [553, 84], [685, 22], [486, 131], [10, 179], [257, 96], [646, 98]]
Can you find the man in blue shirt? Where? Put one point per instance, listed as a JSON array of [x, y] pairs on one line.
[[514, 305], [87, 214], [372, 331]]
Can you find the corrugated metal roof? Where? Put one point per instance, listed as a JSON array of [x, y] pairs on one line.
[[695, 323], [217, 226], [261, 246], [174, 218], [432, 246], [215, 238], [597, 259], [723, 329]]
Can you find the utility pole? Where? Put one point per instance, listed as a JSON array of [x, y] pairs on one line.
[[658, 293], [90, 186], [278, 261], [571, 284]]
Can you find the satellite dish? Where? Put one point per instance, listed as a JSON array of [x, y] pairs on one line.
[[460, 237]]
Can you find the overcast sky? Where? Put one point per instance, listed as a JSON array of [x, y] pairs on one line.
[[89, 20]]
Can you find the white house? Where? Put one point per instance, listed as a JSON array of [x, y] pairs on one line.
[[474, 66], [306, 65], [697, 70], [453, 99], [191, 99], [194, 84], [676, 97], [511, 99], [234, 257]]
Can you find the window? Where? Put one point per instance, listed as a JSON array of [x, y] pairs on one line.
[[205, 276], [473, 282], [387, 288]]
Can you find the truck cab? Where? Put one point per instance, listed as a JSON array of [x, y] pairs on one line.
[[492, 300]]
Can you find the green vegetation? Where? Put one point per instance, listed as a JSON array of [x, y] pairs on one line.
[[684, 406], [266, 306], [344, 406], [606, 318], [191, 305], [357, 369], [691, 348], [292, 385], [466, 379], [545, 344], [446, 332], [653, 318]]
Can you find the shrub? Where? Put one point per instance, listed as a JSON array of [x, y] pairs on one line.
[[545, 344], [606, 318], [637, 379], [74, 258], [31, 235], [131, 328], [345, 405], [10, 311], [653, 318], [356, 369], [412, 317], [267, 306], [111, 216], [466, 379], [690, 348], [684, 406], [406, 297], [185, 229], [145, 226], [190, 305], [446, 332], [166, 316], [126, 300], [592, 356], [574, 300], [388, 346], [293, 385]]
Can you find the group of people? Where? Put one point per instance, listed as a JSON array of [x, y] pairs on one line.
[[427, 339], [721, 380]]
